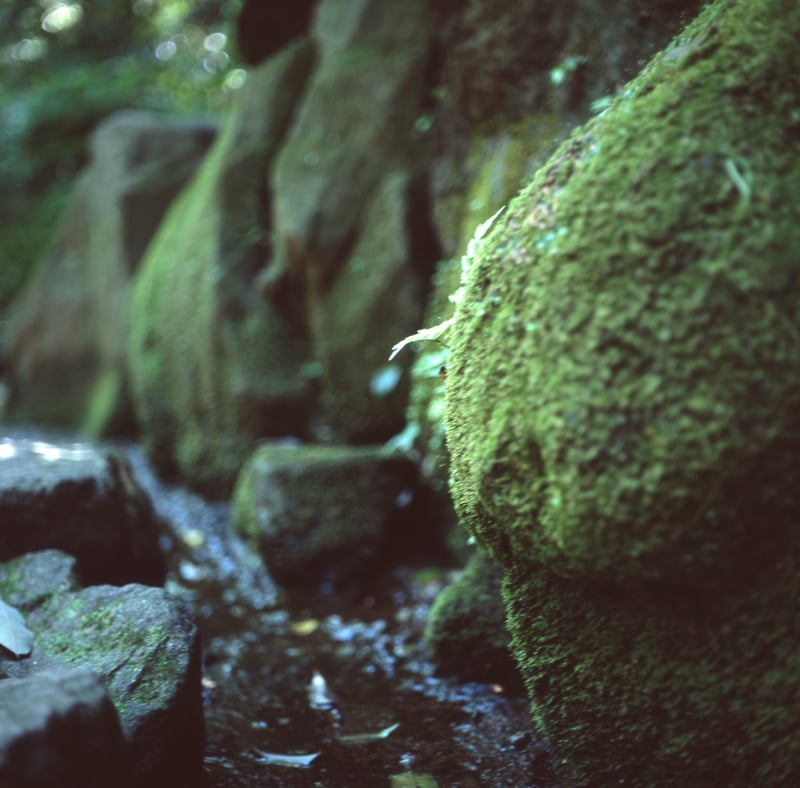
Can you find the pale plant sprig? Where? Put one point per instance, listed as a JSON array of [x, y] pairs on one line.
[[437, 332]]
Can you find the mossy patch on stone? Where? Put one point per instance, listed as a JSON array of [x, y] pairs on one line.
[[466, 627], [649, 688], [330, 514]]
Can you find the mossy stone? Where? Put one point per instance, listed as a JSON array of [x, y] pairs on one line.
[[623, 378], [622, 407]]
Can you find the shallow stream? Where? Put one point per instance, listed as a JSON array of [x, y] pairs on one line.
[[331, 689]]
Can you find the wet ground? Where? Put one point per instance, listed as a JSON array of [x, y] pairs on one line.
[[331, 689]]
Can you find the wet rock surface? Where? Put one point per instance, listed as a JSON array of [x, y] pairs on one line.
[[55, 723], [309, 688], [60, 494], [330, 675], [323, 515], [141, 645]]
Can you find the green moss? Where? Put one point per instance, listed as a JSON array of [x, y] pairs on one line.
[[622, 407], [12, 579], [497, 166], [661, 689], [632, 300], [102, 404], [466, 626]]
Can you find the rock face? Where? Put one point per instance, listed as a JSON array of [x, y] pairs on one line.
[[212, 365], [141, 646], [80, 500], [276, 317], [351, 211], [353, 126], [67, 331], [328, 514], [622, 411]]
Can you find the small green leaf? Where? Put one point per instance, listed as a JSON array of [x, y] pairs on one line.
[[364, 738]]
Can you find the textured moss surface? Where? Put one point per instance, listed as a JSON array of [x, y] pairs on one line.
[[660, 689], [622, 407], [625, 368], [466, 627]]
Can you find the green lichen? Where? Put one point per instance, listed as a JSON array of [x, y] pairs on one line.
[[12, 579]]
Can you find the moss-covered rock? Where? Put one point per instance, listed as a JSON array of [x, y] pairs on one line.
[[466, 627], [139, 641], [632, 308], [212, 365], [329, 514], [622, 400]]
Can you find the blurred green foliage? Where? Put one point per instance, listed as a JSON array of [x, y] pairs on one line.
[[66, 65]]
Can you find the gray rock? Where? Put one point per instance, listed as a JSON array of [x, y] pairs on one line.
[[30, 580], [144, 646], [83, 501], [66, 333], [321, 514], [139, 641], [58, 729]]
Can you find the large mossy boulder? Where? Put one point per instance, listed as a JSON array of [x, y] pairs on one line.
[[212, 365], [506, 105], [622, 406]]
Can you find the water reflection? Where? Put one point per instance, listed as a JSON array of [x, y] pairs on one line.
[[10, 448]]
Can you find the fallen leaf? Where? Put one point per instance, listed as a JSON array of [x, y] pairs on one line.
[[304, 627], [364, 738], [287, 759], [14, 635], [319, 696], [411, 780]]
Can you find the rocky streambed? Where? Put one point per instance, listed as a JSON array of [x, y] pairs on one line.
[[330, 686]]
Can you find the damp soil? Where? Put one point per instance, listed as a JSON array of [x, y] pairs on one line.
[[331, 688]]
